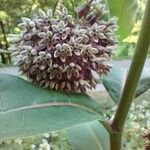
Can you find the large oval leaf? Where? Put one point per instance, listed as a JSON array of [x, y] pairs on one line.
[[126, 11], [88, 136], [115, 80], [26, 109]]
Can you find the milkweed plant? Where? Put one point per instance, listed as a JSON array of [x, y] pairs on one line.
[[61, 58]]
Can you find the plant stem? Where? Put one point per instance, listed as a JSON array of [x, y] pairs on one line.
[[4, 59], [132, 79], [116, 141]]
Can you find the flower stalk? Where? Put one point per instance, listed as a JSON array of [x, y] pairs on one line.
[[132, 80]]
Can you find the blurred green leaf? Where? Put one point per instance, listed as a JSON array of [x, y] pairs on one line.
[[126, 11], [115, 80], [3, 15], [88, 136], [53, 4], [26, 109]]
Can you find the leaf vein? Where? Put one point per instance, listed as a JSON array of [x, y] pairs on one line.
[[35, 106]]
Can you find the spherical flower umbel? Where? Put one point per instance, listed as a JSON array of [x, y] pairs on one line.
[[60, 53]]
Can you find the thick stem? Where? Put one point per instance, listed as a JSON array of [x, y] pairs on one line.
[[116, 141], [4, 60], [133, 77]]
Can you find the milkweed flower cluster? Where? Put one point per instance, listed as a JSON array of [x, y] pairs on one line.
[[58, 52]]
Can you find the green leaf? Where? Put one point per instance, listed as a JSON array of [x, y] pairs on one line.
[[53, 4], [144, 83], [115, 80], [26, 109], [126, 11], [88, 136]]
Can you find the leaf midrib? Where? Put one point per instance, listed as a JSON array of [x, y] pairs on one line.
[[99, 145], [50, 104]]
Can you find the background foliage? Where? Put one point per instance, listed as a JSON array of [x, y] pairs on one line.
[[126, 48]]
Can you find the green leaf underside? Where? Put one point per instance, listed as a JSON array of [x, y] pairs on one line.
[[88, 136], [27, 109], [144, 83], [126, 11], [115, 80]]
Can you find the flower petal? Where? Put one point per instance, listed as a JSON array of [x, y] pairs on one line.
[[58, 46], [63, 58], [49, 13], [55, 28]]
